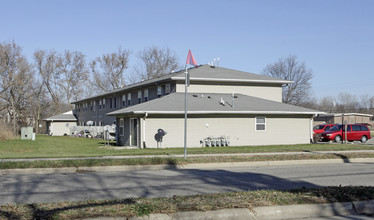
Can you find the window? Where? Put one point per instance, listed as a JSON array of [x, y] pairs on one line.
[[167, 88], [145, 95], [139, 96], [94, 105], [104, 103], [115, 102], [100, 104], [121, 127], [123, 100], [129, 99], [159, 91], [110, 103], [260, 124]]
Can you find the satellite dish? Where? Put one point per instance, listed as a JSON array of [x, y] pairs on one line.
[[113, 126], [107, 127], [89, 123], [67, 124]]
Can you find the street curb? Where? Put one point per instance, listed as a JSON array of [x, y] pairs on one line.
[[265, 213], [186, 166]]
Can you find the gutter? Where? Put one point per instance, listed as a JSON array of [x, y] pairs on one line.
[[235, 80], [218, 112]]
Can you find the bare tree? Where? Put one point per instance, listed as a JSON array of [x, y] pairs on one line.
[[156, 62], [109, 70], [327, 104], [347, 103], [290, 69], [73, 75], [47, 65], [15, 83], [63, 75]]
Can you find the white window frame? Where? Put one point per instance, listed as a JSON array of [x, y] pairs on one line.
[[123, 100], [103, 103], [260, 123], [167, 89], [145, 95], [140, 96], [159, 91], [94, 105], [129, 99], [122, 126]]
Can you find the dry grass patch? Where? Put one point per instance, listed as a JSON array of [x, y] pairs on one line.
[[140, 207]]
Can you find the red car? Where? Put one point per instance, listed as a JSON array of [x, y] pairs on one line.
[[321, 128], [355, 132]]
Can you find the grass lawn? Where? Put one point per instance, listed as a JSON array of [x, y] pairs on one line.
[[54, 147]]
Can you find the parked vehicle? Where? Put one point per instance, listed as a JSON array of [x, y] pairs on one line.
[[355, 132], [321, 128]]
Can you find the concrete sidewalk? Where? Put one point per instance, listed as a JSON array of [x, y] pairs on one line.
[[357, 209]]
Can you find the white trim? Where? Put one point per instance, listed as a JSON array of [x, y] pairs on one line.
[[218, 112], [235, 80], [256, 123], [123, 127]]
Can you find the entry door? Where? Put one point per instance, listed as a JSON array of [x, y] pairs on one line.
[[133, 131]]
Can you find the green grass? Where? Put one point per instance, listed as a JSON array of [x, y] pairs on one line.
[[140, 206], [54, 147], [173, 161]]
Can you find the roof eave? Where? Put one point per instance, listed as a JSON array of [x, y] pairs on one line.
[[234, 80], [216, 112]]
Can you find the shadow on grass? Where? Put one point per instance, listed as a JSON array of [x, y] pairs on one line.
[[46, 214]]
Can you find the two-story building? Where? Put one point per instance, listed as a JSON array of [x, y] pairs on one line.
[[244, 107]]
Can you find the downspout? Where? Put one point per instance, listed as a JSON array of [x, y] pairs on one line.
[[311, 128], [145, 116]]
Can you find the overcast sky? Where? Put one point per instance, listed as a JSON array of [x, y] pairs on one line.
[[335, 38]]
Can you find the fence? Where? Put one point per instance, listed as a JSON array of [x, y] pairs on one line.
[[93, 132]]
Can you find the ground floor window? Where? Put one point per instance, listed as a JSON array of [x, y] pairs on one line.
[[121, 127], [260, 124]]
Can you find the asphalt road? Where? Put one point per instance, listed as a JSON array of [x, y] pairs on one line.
[[164, 183]]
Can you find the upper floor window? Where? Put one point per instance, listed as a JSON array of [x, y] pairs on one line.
[[139, 96], [100, 104], [103, 103], [94, 105], [115, 102], [145, 95], [159, 91], [123, 100], [260, 124], [110, 103], [167, 88], [129, 99]]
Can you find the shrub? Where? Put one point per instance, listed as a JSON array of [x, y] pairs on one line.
[[5, 132]]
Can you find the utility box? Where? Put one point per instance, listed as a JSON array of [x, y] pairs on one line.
[[26, 133]]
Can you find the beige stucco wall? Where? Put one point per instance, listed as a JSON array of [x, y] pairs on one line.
[[241, 130], [59, 128], [273, 93]]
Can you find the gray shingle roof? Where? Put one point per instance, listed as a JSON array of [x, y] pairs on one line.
[[210, 103], [67, 116], [201, 73]]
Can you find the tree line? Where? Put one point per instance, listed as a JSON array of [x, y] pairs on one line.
[[31, 90]]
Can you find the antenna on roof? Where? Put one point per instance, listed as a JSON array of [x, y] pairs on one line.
[[214, 62]]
